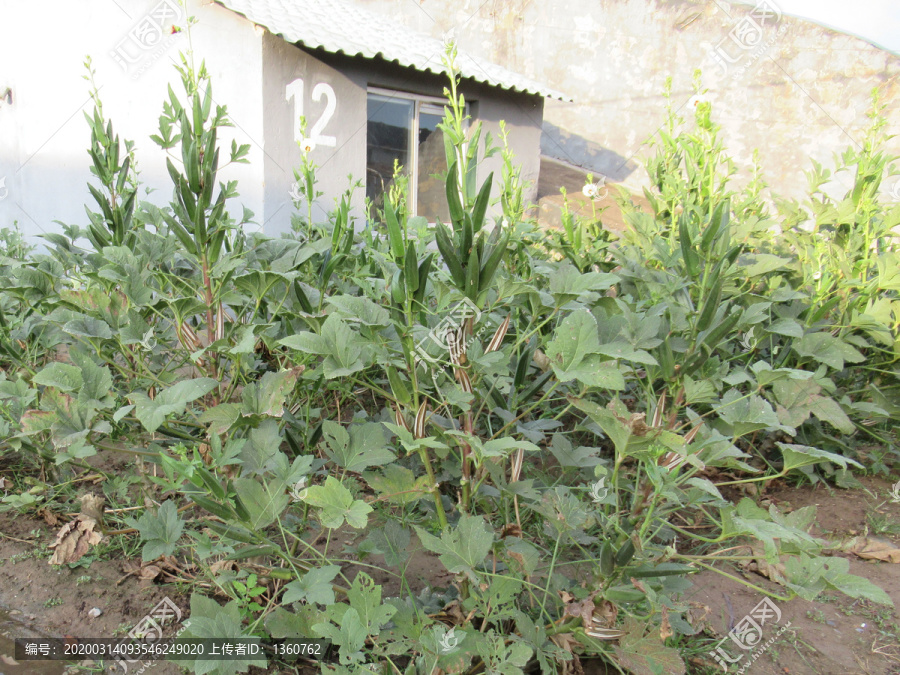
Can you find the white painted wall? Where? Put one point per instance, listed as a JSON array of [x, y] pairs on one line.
[[43, 134]]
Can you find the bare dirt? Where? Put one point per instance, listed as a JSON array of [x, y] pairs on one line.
[[835, 635], [39, 600]]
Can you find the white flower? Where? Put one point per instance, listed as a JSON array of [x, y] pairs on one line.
[[307, 145], [595, 190]]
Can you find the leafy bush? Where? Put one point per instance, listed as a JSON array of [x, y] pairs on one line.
[[556, 423]]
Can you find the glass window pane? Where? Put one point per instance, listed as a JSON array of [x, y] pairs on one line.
[[387, 140], [432, 195]]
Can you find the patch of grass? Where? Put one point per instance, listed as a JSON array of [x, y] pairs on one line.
[[816, 615], [883, 523]]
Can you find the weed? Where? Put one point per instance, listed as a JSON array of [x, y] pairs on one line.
[[558, 419]]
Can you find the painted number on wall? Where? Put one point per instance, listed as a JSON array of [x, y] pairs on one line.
[[317, 135]]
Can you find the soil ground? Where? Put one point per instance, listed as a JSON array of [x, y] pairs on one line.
[[835, 635]]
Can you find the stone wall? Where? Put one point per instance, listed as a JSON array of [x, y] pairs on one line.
[[792, 89]]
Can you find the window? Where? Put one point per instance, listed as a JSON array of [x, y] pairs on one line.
[[404, 128]]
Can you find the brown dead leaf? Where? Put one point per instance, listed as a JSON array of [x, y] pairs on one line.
[[92, 506], [152, 569], [4, 484], [606, 613], [665, 628], [583, 609], [74, 539], [565, 641], [760, 565], [871, 548], [638, 424], [697, 616], [454, 613], [149, 572], [541, 360], [49, 517]]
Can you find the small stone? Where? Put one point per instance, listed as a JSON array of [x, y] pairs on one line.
[[94, 613]]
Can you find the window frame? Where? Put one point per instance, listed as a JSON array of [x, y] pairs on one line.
[[432, 105]]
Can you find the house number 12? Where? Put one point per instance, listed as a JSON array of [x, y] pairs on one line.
[[316, 135]]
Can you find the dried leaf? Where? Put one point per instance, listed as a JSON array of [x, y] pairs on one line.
[[606, 613], [638, 424], [92, 506], [565, 641], [697, 616], [775, 572], [74, 540], [541, 360], [221, 565], [871, 548], [665, 628], [48, 516], [149, 572], [583, 609]]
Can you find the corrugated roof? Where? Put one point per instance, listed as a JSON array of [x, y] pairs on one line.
[[341, 28]]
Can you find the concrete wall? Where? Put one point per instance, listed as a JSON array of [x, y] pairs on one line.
[[799, 91], [43, 134], [285, 64], [349, 79], [44, 166]]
